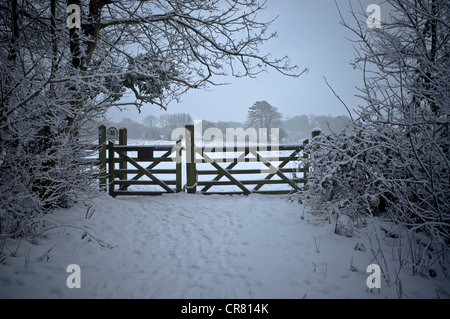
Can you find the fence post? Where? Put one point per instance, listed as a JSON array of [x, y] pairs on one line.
[[111, 168], [314, 132], [191, 170], [102, 157], [123, 140], [179, 166]]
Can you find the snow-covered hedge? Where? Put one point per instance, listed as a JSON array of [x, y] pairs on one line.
[[393, 158], [370, 170]]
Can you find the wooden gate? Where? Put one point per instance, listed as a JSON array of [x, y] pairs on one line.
[[225, 168], [119, 177], [123, 166]]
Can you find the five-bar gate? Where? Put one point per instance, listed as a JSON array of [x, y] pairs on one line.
[[126, 169]]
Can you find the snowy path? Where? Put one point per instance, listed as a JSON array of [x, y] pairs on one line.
[[193, 246]]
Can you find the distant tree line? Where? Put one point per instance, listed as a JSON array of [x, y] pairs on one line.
[[261, 115]]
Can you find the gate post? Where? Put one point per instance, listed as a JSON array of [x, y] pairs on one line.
[[111, 168], [179, 164], [123, 140], [314, 132], [102, 157], [191, 170]]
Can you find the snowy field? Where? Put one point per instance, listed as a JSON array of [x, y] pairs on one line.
[[196, 246]]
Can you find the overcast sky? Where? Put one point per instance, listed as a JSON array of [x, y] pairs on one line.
[[309, 32]]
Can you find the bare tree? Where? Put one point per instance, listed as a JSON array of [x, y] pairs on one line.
[[170, 122], [152, 122], [183, 44]]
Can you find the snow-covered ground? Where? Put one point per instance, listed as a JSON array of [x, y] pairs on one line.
[[196, 246]]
